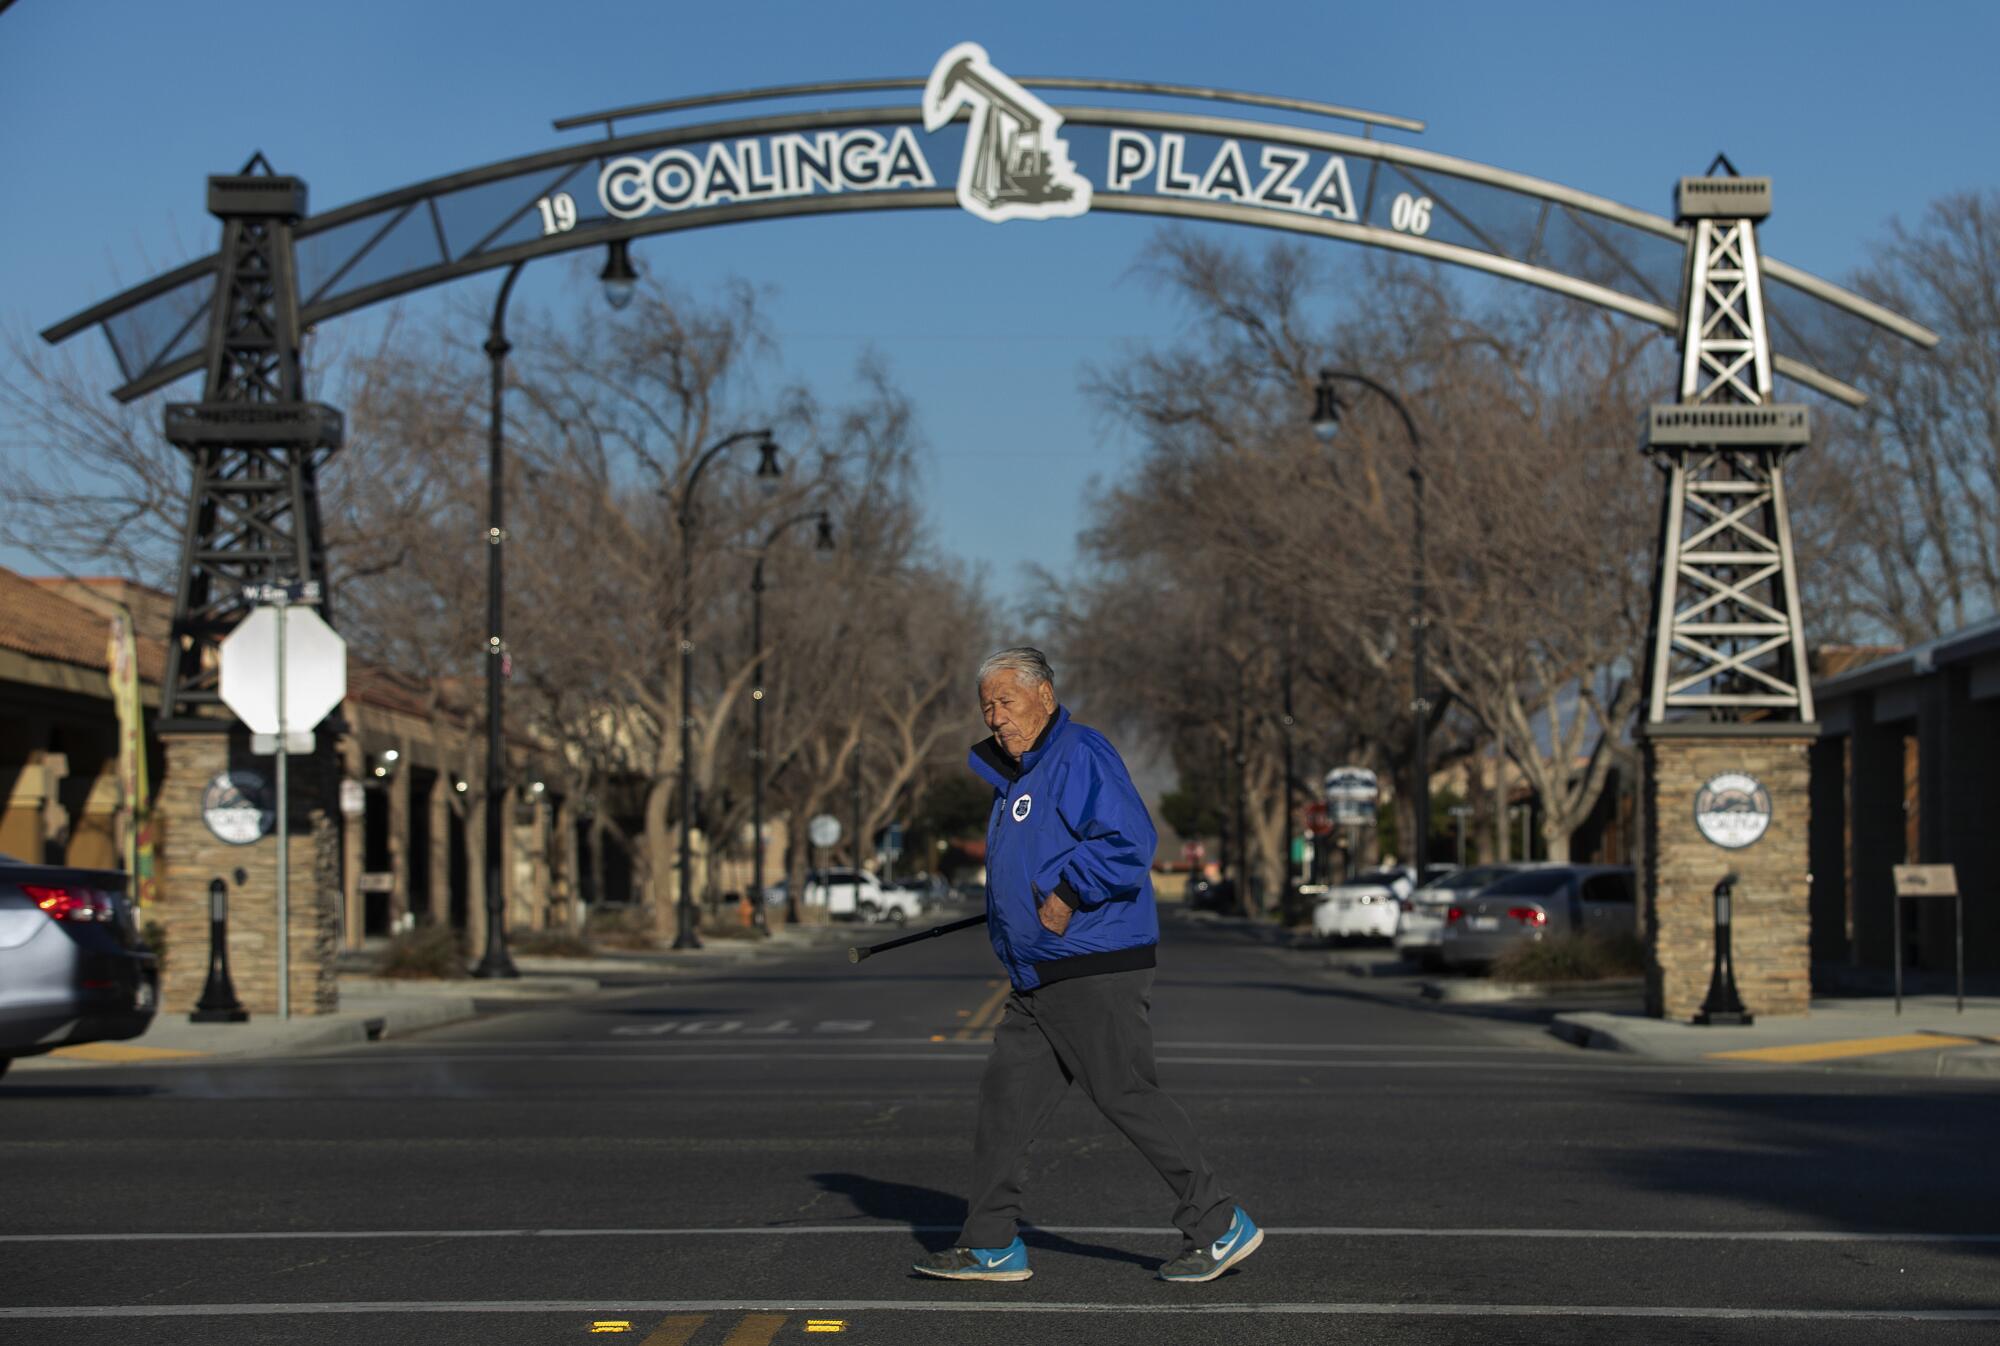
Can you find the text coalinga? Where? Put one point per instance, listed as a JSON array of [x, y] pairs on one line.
[[763, 168]]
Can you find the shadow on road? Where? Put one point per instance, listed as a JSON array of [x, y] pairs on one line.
[[1867, 1157], [80, 1090], [879, 1199]]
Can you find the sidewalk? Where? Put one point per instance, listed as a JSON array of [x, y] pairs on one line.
[[1930, 1038], [374, 1008]]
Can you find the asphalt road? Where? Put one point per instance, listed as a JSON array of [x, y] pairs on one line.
[[734, 1156]]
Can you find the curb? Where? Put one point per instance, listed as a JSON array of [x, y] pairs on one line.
[[1608, 988], [1948, 1062], [397, 988]]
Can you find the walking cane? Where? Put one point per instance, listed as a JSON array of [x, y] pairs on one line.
[[855, 955]]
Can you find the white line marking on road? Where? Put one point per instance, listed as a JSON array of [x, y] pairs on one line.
[[363, 1058], [1133, 1231], [585, 1306], [659, 1039]]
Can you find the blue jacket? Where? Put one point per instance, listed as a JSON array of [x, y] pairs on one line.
[[1067, 826]]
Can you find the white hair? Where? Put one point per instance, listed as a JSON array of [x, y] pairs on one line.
[[1028, 663]]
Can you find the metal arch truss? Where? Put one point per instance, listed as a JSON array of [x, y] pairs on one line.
[[255, 443], [1334, 184], [1728, 640]]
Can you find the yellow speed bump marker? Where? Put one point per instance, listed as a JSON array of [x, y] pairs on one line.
[[826, 1324], [611, 1325]]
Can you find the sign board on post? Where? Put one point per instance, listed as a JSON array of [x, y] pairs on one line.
[[1926, 880], [1351, 792], [823, 830], [283, 669], [1930, 881], [315, 670]]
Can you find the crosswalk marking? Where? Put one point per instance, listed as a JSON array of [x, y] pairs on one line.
[[756, 1329], [675, 1330]]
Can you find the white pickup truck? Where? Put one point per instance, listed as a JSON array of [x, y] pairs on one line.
[[846, 896]]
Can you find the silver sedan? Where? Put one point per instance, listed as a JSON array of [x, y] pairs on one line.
[[73, 968], [1535, 904]]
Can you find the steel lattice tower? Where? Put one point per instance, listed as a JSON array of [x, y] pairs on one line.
[[1727, 636], [255, 443]]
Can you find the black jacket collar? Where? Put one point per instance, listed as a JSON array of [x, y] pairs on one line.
[[989, 751]]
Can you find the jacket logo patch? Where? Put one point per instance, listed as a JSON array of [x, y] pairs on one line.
[[1022, 806]]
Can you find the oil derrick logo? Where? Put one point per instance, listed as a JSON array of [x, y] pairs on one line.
[[1016, 166]]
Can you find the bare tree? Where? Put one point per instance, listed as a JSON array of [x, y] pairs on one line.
[[1898, 506]]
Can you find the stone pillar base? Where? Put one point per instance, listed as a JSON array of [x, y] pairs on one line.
[[191, 856], [1769, 932]]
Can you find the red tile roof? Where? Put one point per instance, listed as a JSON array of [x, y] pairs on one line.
[[39, 622]]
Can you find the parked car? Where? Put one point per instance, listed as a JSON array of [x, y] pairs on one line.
[[846, 895], [928, 890], [1421, 930], [1367, 905], [1535, 904], [73, 968], [896, 903], [1202, 893]]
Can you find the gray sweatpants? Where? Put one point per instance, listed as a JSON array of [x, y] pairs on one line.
[[1093, 1030]]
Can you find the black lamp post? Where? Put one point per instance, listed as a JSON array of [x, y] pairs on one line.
[[619, 281], [1286, 899], [496, 962], [1327, 407], [768, 473], [823, 542], [1239, 752], [1722, 1004]]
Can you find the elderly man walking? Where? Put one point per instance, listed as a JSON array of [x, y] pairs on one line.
[[1069, 902]]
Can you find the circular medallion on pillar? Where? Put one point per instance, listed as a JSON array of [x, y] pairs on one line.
[[237, 807], [1732, 810]]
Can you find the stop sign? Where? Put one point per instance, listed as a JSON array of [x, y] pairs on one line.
[[315, 669]]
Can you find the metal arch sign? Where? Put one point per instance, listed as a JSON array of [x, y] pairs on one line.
[[1018, 159]]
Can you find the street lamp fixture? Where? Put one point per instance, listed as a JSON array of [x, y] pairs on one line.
[[822, 543], [620, 277], [769, 471], [1327, 408]]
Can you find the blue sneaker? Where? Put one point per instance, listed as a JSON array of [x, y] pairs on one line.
[[1242, 1238], [977, 1264]]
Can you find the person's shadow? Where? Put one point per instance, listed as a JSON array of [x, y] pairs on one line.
[[935, 1216]]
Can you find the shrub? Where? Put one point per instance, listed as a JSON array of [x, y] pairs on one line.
[[428, 951], [625, 927], [731, 927], [155, 936], [1570, 958], [551, 944]]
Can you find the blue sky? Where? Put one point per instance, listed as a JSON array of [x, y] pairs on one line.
[[116, 110]]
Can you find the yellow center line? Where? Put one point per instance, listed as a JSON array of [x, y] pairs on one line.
[[756, 1329], [675, 1330], [1834, 1051], [985, 1016]]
